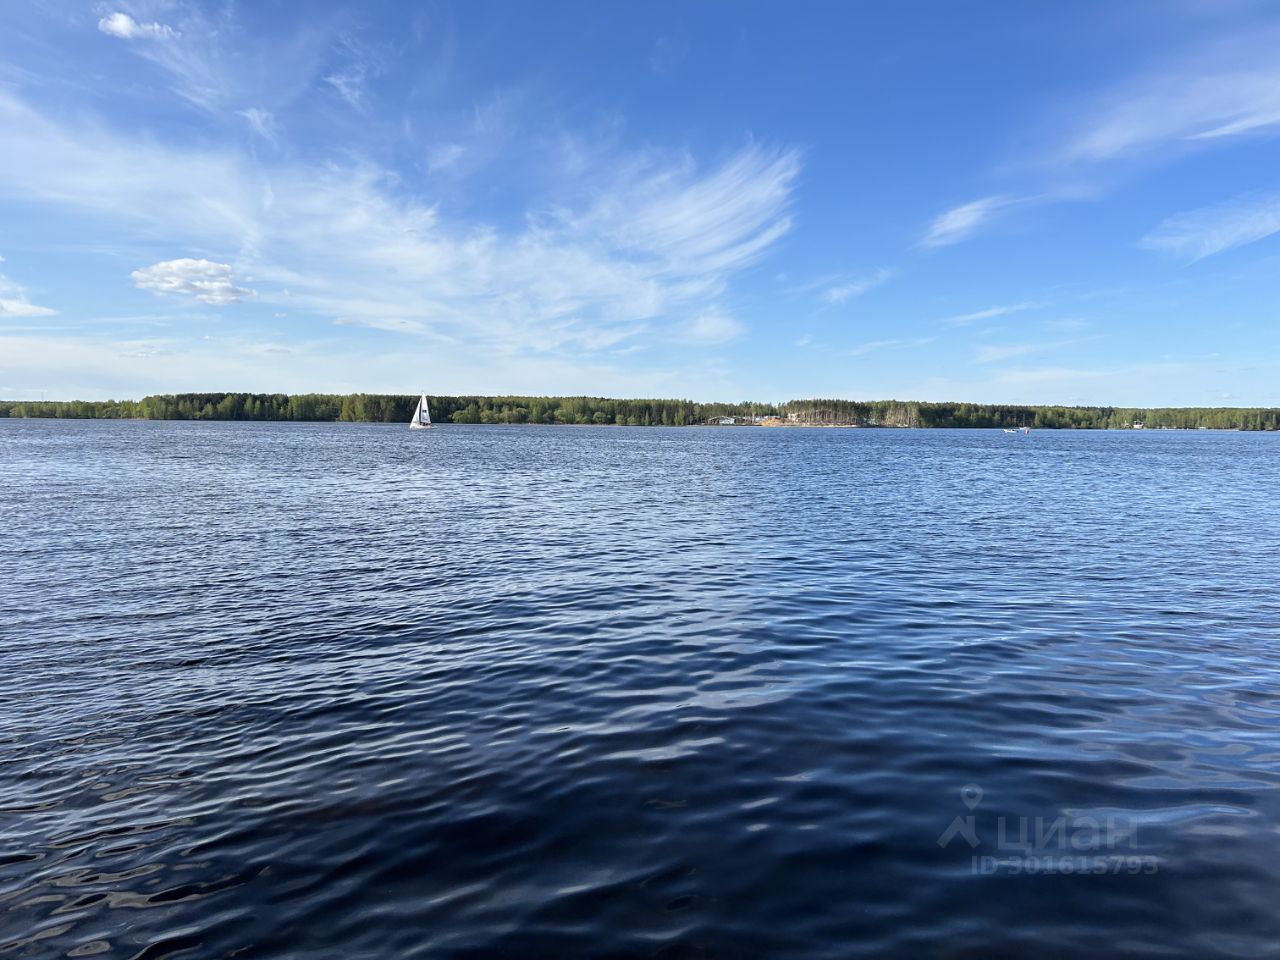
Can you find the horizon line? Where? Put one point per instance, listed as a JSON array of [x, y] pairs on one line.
[[672, 399]]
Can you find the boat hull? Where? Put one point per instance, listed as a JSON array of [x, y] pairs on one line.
[[419, 426]]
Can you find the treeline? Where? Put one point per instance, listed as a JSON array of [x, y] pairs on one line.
[[896, 413], [385, 408]]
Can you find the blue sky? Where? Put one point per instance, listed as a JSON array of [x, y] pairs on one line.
[[1004, 202]]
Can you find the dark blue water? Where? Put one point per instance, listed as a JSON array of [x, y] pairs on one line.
[[346, 691]]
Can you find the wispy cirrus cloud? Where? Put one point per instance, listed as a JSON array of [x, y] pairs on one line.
[[349, 82], [999, 352], [647, 238], [472, 140], [261, 121], [988, 313], [1225, 88], [1228, 88], [962, 222], [445, 156], [205, 55], [358, 64], [871, 346], [857, 287], [193, 56], [1197, 234]]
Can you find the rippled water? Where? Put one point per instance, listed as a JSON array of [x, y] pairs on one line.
[[281, 690]]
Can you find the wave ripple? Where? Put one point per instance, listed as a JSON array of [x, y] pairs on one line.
[[335, 690]]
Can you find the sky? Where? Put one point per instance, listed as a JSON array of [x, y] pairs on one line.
[[1001, 202]]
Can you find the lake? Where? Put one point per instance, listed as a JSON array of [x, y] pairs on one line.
[[305, 690]]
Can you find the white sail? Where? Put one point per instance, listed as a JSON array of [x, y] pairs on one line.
[[421, 415]]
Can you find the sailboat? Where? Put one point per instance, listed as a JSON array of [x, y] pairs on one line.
[[421, 415]]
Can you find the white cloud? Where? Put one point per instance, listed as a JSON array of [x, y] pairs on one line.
[[445, 156], [713, 325], [205, 280], [21, 307], [359, 63], [688, 224], [634, 237], [1201, 233], [126, 28], [996, 311], [871, 346], [960, 223], [262, 122], [14, 302], [349, 82], [215, 64], [995, 353], [856, 288], [465, 142], [1226, 90]]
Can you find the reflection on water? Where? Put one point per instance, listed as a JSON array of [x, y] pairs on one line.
[[338, 690]]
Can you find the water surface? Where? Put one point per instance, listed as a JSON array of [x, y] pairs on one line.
[[293, 690]]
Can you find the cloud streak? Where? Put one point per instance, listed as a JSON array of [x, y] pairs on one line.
[[351, 78], [1224, 90], [1228, 90], [990, 312], [872, 346], [262, 122], [962, 222], [208, 61], [856, 288], [997, 353], [1202, 233]]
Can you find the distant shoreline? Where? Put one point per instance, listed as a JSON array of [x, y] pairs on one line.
[[606, 411], [447, 425]]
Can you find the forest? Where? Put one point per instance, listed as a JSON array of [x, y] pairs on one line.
[[392, 408]]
